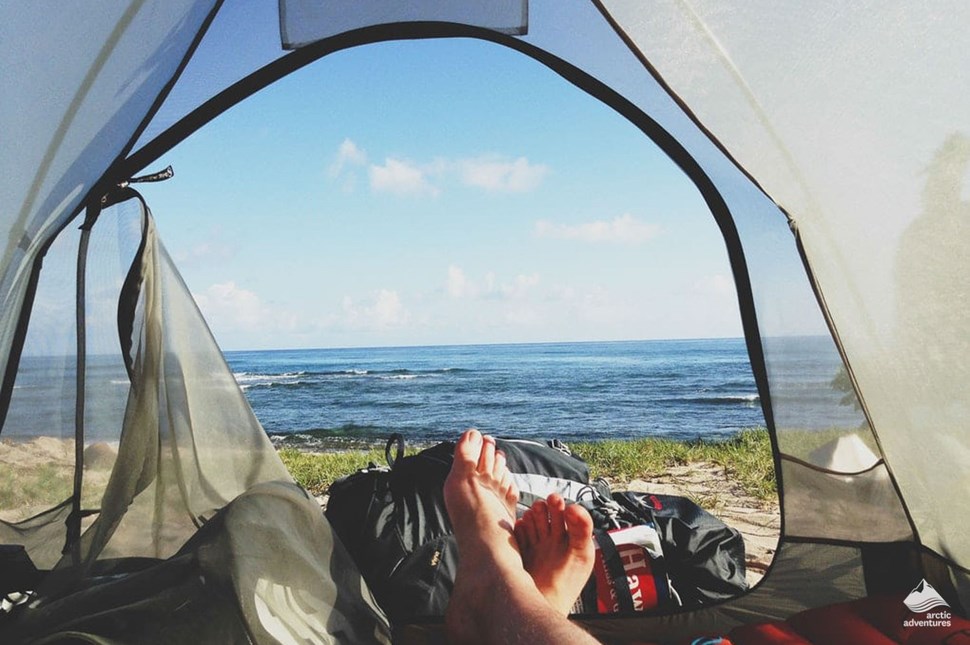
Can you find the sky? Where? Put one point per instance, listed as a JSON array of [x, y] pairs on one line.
[[437, 192]]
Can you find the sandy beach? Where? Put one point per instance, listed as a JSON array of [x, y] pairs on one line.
[[759, 522]]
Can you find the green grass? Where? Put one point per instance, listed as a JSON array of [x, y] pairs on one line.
[[46, 485], [316, 471], [746, 459]]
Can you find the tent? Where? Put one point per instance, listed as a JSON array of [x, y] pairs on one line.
[[835, 134]]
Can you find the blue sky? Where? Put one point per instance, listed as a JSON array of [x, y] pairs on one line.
[[433, 193]]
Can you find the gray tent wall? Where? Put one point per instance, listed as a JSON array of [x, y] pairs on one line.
[[850, 118]]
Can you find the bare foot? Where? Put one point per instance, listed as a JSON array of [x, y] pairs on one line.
[[557, 549], [479, 492], [480, 497]]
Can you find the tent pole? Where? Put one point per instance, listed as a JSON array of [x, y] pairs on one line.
[[73, 540]]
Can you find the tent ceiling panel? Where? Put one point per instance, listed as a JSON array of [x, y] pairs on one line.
[[305, 21]]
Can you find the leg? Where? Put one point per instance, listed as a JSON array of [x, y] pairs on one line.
[[494, 599], [556, 542]]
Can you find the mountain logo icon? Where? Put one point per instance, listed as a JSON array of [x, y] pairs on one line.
[[924, 598]]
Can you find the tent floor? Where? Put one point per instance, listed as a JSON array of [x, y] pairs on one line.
[[876, 620]]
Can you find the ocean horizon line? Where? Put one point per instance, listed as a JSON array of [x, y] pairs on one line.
[[512, 343], [496, 344]]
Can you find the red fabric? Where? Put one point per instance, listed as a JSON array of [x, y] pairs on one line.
[[631, 545], [890, 615], [838, 625], [696, 640], [877, 620], [777, 633]]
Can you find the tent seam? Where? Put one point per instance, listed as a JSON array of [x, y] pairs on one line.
[[829, 471]]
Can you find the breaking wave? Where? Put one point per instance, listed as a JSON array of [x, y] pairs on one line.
[[735, 399], [247, 380]]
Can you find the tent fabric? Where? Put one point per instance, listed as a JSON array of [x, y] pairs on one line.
[[830, 135], [46, 389], [863, 141], [266, 569], [829, 505], [190, 446], [66, 118], [189, 443], [758, 221], [195, 472]]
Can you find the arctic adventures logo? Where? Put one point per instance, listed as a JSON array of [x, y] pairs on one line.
[[923, 600]]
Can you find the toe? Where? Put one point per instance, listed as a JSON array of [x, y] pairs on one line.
[[557, 525], [579, 527], [468, 450], [486, 460], [540, 512], [504, 483], [499, 468], [529, 530]]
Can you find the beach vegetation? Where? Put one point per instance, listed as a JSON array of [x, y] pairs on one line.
[[315, 471], [746, 459], [39, 488]]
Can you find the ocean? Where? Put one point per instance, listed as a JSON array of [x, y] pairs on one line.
[[682, 389], [325, 398]]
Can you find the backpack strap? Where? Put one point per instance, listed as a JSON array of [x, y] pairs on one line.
[[614, 566], [396, 438]]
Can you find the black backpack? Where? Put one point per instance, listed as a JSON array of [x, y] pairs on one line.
[[393, 522]]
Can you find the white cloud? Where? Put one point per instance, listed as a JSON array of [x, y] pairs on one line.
[[228, 302], [500, 175], [493, 173], [402, 178], [459, 286], [388, 310], [624, 229], [383, 310], [521, 286], [348, 154], [229, 308]]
